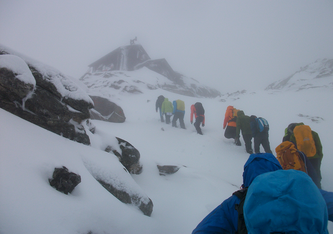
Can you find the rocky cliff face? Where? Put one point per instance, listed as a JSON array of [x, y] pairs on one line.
[[43, 96], [318, 74]]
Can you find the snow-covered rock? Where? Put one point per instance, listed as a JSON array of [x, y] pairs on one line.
[[43, 96]]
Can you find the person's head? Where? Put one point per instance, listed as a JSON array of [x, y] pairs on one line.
[[240, 113], [253, 118], [258, 164]]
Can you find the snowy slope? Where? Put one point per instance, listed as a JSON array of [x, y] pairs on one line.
[[66, 86], [318, 74], [211, 166], [123, 82]]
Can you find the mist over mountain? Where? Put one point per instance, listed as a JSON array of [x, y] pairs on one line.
[[129, 69], [207, 168], [318, 74]]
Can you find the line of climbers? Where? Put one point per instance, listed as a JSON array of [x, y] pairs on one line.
[[273, 198], [279, 194], [177, 109], [300, 145]]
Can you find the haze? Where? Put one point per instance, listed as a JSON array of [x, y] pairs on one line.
[[229, 45]]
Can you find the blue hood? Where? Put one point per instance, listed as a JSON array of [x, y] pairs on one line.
[[285, 201], [258, 164]]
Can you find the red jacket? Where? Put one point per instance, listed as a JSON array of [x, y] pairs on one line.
[[194, 112]]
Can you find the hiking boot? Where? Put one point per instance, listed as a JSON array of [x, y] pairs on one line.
[[237, 142], [250, 151]]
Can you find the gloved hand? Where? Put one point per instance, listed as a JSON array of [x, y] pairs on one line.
[[191, 122], [203, 125]]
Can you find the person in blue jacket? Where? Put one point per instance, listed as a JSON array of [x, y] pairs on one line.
[[224, 218], [178, 113]]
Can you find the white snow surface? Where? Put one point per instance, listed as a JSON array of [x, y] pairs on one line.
[[211, 166], [314, 75], [111, 84], [19, 67]]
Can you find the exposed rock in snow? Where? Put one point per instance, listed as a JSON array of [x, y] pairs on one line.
[[119, 183], [106, 110], [43, 96]]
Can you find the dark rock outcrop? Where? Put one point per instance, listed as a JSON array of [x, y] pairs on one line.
[[129, 156], [123, 196], [117, 180], [43, 104], [64, 181], [106, 110], [167, 169]]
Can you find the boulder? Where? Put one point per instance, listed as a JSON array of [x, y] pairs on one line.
[[125, 197], [64, 181], [118, 181], [129, 156], [52, 101], [106, 110], [167, 169]]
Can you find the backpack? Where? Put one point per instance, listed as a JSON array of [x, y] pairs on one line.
[[199, 108], [304, 140], [289, 157], [234, 112], [180, 105], [241, 227], [262, 124]]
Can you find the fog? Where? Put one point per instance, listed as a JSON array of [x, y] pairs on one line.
[[229, 45]]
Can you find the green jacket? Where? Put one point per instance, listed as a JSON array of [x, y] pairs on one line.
[[319, 147], [167, 106], [243, 123]]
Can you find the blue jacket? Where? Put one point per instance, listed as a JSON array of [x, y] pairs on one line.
[[224, 218], [176, 107]]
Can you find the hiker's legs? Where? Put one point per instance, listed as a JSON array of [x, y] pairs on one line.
[[316, 163], [167, 118], [257, 141], [265, 143], [181, 120], [197, 123], [230, 132], [161, 115], [237, 142], [174, 119], [248, 142]]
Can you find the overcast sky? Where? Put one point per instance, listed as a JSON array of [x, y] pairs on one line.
[[230, 45]]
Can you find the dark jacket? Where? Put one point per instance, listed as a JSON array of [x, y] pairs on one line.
[[243, 123], [159, 102]]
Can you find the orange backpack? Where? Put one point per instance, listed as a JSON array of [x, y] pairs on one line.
[[304, 140], [289, 157]]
